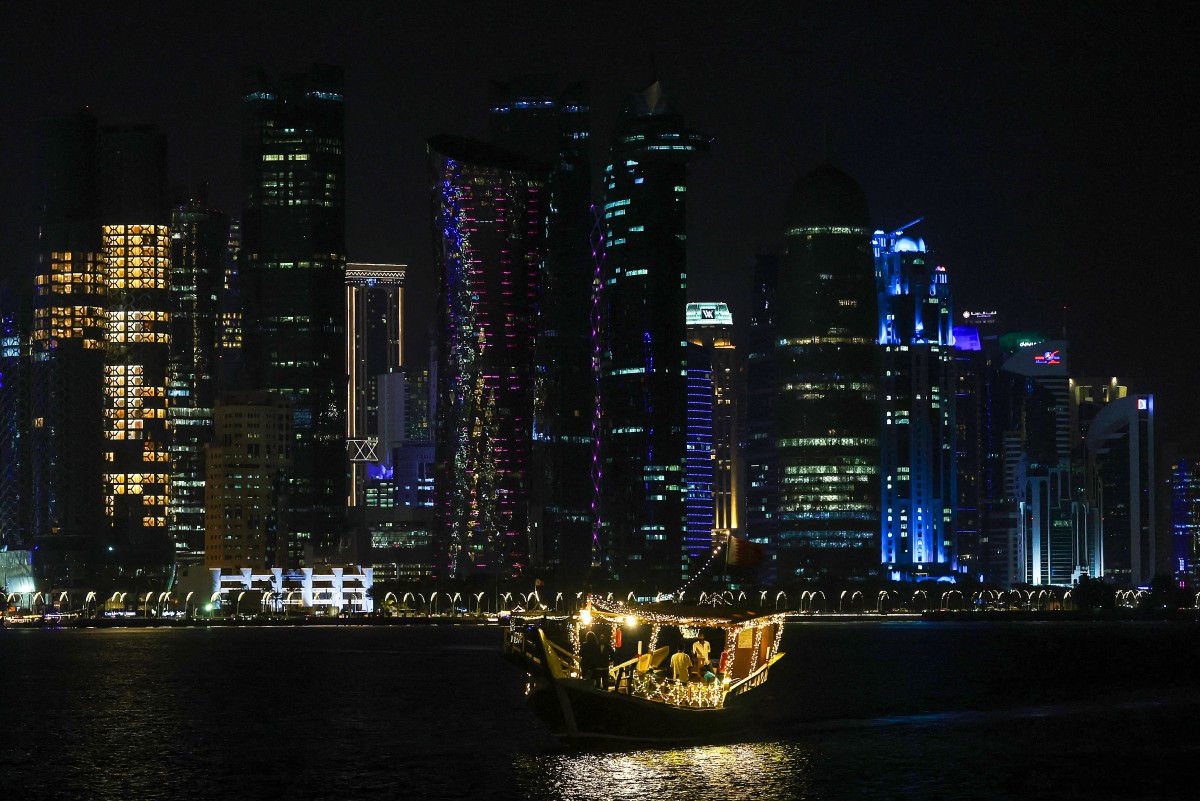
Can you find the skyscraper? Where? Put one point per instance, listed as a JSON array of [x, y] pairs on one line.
[[710, 325], [1185, 521], [246, 486], [698, 461], [1120, 446], [67, 370], [762, 483], [826, 362], [292, 283], [199, 257], [374, 346], [1037, 509], [918, 469], [643, 342], [489, 211], [529, 115], [136, 246]]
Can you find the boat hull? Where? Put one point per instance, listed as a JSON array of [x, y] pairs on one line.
[[574, 710]]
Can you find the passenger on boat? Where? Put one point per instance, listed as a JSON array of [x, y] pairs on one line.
[[700, 650], [608, 657], [681, 667], [591, 660]]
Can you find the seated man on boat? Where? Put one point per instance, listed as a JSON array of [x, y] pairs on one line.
[[681, 667]]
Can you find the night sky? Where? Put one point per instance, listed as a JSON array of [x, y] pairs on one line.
[[1051, 147]]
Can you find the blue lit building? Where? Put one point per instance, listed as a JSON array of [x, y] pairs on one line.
[[14, 440], [643, 360], [699, 463], [711, 326], [1185, 521], [917, 441]]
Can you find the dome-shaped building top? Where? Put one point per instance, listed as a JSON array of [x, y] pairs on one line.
[[826, 197]]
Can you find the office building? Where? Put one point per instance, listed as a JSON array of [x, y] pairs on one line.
[[489, 211], [762, 484], [199, 259], [1123, 490], [136, 246], [698, 461], [643, 362], [374, 346], [710, 325], [66, 373], [531, 116], [826, 367], [1038, 425], [1185, 521], [918, 469], [245, 496], [292, 273]]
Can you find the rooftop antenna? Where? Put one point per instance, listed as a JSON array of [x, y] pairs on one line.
[[902, 228], [653, 69]]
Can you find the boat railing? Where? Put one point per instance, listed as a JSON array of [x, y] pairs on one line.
[[754, 679]]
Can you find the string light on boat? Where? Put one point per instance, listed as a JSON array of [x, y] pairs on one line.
[[703, 570]]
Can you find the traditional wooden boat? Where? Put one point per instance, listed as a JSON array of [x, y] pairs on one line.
[[649, 696]]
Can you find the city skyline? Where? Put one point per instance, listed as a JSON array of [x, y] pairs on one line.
[[1040, 196]]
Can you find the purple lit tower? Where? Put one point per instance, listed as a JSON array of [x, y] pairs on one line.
[[489, 208]]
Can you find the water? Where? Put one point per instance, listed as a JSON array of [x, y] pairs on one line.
[[860, 710]]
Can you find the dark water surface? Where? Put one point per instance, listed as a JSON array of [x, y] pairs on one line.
[[857, 710]]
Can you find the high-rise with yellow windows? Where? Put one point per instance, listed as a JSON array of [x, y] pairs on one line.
[[136, 246]]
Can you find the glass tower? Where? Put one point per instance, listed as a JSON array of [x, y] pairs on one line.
[[643, 344], [199, 256], [490, 208], [529, 115], [826, 365], [66, 424], [292, 282]]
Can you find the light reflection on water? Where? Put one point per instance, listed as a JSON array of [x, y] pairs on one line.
[[737, 772]]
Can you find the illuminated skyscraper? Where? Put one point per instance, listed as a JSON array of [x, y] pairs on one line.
[[1185, 521], [529, 115], [826, 368], [698, 461], [374, 346], [710, 325], [292, 276], [1121, 467], [67, 443], [199, 258], [918, 454], [1037, 433], [137, 255], [15, 476], [490, 208], [643, 343]]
